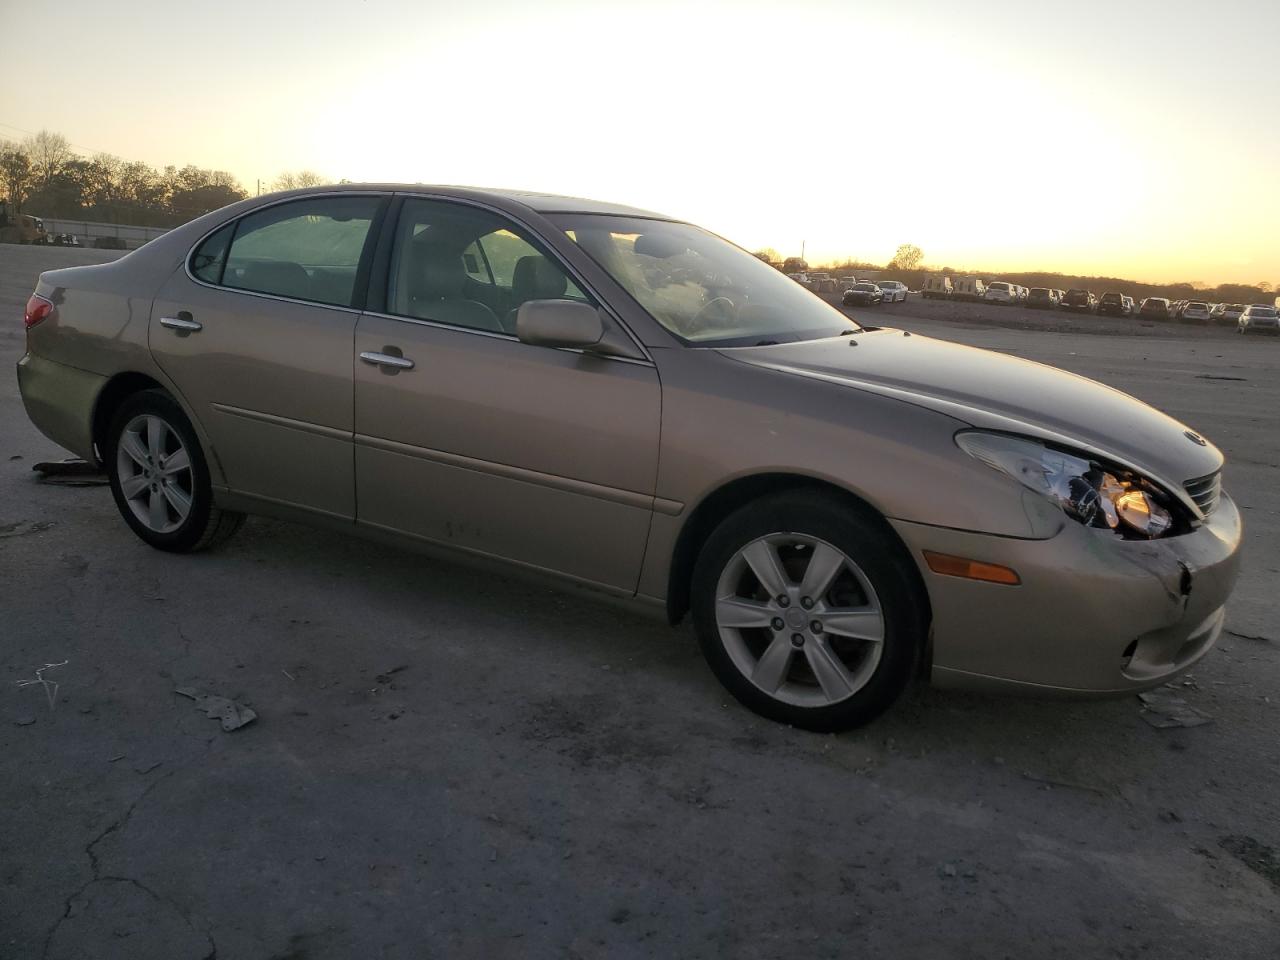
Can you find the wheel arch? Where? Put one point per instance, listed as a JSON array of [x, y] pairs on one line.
[[116, 390], [736, 493]]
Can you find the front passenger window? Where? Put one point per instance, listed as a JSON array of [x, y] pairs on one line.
[[467, 267], [305, 249]]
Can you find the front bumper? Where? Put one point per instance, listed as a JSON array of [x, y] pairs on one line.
[[1094, 614]]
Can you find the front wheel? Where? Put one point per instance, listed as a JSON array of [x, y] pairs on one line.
[[159, 477], [808, 610]]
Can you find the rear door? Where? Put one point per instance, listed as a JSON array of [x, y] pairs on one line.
[[256, 333], [544, 456]]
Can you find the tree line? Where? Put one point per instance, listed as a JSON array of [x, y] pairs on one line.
[[43, 176]]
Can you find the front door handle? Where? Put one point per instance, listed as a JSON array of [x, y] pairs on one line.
[[182, 322], [386, 360]]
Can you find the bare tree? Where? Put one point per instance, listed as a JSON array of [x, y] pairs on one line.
[[103, 180], [299, 180], [49, 153], [908, 257]]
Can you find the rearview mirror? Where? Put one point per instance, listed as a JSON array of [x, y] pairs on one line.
[[559, 323]]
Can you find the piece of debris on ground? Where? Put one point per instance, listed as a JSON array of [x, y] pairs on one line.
[[72, 472], [1163, 708], [232, 715], [50, 686]]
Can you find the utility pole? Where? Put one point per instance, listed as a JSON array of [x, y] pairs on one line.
[[802, 243], [259, 186]]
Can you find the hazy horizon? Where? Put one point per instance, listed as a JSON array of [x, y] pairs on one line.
[[1098, 139]]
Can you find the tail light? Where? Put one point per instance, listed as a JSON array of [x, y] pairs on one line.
[[38, 308]]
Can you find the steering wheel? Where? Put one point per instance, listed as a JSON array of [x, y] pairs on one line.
[[723, 305]]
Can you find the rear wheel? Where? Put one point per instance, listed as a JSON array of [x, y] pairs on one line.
[[159, 477], [808, 611]]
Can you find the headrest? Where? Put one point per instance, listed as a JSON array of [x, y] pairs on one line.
[[435, 273], [537, 278]]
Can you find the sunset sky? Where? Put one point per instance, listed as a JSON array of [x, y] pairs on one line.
[[1137, 139]]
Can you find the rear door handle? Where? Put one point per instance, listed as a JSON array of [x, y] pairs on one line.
[[386, 360], [183, 323]]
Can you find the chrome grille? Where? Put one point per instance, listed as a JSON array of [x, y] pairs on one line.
[[1205, 492]]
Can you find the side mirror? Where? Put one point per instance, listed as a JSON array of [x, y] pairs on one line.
[[559, 323]]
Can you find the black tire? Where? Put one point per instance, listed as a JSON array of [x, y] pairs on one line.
[[864, 538], [206, 525]]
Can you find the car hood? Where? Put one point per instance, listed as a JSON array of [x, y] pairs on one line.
[[998, 392]]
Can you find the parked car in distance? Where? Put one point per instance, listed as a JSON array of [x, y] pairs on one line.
[[999, 291], [1175, 309], [1259, 317], [64, 240], [1115, 304], [895, 291], [350, 355], [1228, 312], [968, 288], [937, 288], [1041, 298], [801, 278], [1196, 311], [1154, 307], [847, 282], [1081, 301], [864, 293]]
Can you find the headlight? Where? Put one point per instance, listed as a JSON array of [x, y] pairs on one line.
[[1087, 491]]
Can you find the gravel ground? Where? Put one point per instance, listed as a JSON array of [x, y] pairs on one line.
[[448, 763]]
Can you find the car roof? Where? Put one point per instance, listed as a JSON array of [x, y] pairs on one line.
[[534, 200]]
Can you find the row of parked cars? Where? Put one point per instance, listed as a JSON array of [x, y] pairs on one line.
[[1247, 317], [1257, 316]]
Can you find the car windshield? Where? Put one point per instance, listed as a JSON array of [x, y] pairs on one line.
[[1262, 311], [700, 287]]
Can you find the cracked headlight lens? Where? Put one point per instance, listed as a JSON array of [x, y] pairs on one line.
[[1087, 491]]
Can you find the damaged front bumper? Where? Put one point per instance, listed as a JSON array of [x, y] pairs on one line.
[[1094, 614]]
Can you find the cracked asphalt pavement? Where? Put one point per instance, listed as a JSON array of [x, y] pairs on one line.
[[449, 763]]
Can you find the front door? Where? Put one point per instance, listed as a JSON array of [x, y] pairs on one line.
[[544, 456], [258, 338]]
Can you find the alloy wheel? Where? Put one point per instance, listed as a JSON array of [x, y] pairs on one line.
[[154, 469], [799, 619]]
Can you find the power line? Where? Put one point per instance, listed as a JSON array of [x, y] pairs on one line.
[[32, 133]]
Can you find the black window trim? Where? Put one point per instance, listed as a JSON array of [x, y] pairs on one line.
[[360, 289]]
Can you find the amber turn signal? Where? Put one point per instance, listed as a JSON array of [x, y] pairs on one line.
[[970, 569]]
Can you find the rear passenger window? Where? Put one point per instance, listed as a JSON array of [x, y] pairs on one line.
[[306, 250]]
